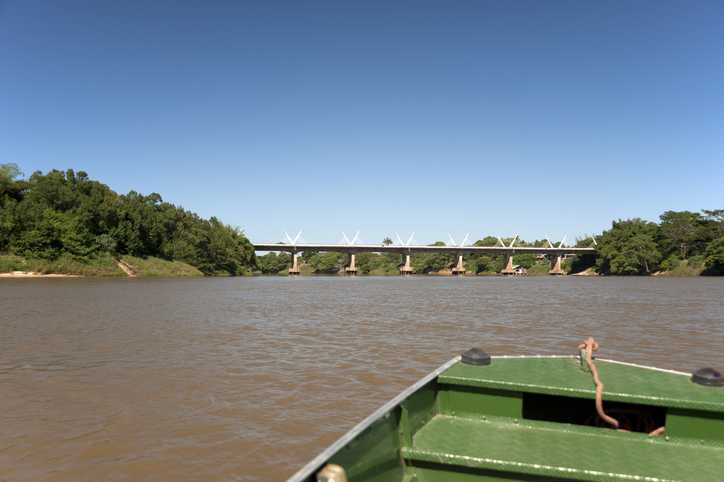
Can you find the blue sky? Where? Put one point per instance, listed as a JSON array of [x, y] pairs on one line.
[[434, 117]]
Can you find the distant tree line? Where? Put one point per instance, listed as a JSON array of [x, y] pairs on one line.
[[66, 214], [60, 213], [683, 242]]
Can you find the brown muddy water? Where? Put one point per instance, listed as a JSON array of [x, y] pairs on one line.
[[247, 379]]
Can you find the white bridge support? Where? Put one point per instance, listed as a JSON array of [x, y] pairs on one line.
[[294, 269], [508, 270], [556, 260], [459, 269], [407, 269], [556, 268], [351, 268]]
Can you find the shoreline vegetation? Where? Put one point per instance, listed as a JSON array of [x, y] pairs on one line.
[[12, 266], [64, 224], [682, 244]]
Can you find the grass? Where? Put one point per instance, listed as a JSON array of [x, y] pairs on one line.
[[686, 267], [539, 269], [156, 267], [9, 262], [384, 272], [100, 266]]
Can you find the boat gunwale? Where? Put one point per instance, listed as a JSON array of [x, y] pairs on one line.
[[316, 463], [637, 365]]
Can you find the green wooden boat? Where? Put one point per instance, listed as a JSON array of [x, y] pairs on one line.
[[534, 418]]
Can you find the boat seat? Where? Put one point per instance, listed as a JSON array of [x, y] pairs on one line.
[[528, 450]]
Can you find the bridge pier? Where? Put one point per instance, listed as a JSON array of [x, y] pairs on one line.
[[294, 269], [508, 270], [459, 269], [351, 268], [407, 269], [556, 267]]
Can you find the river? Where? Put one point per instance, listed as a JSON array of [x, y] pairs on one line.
[[247, 378]]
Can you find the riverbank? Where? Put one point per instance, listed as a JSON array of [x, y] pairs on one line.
[[12, 266], [32, 274], [683, 269]]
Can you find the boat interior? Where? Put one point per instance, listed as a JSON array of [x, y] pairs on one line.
[[535, 419]]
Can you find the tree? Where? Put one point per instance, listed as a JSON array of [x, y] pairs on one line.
[[715, 216], [379, 264], [65, 213], [432, 262], [327, 263], [582, 262], [714, 257], [487, 241], [387, 241], [525, 260], [628, 248], [9, 172], [679, 231], [273, 263], [485, 263]]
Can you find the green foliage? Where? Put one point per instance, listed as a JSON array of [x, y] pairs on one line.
[[102, 265], [684, 233], [538, 268], [671, 263], [714, 257], [580, 263], [425, 263], [629, 247], [66, 214], [327, 263], [686, 240], [696, 262], [378, 264], [8, 173], [485, 263], [487, 241], [693, 266], [525, 260], [152, 267], [716, 219], [274, 263], [11, 262]]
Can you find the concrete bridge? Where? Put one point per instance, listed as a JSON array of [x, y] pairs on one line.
[[554, 253]]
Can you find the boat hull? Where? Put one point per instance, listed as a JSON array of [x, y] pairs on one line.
[[534, 418]]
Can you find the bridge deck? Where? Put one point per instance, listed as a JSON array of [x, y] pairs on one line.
[[380, 248]]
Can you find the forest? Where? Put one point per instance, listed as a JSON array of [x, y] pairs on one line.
[[69, 219], [64, 219]]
